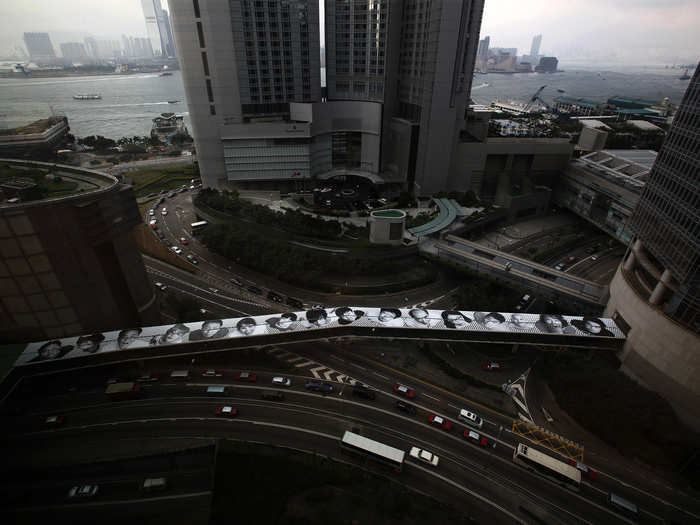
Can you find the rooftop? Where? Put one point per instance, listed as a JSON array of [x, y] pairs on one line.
[[38, 126], [392, 214]]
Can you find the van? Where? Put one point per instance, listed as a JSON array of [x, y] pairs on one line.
[[216, 390], [180, 375], [153, 484], [470, 418]]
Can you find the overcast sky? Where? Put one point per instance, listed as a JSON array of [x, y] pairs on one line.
[[636, 31]]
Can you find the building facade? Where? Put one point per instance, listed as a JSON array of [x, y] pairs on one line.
[[656, 290], [69, 263], [39, 46], [73, 51], [535, 47], [398, 78]]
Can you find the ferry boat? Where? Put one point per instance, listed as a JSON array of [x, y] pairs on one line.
[[168, 124], [88, 96]]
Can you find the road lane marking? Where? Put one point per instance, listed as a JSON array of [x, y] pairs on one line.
[[380, 375], [305, 363], [431, 397]]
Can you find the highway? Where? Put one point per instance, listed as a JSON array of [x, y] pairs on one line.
[[484, 482]]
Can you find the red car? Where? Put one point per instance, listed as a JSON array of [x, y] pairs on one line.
[[226, 411], [404, 391], [440, 421], [183, 241], [570, 259], [476, 438], [247, 376], [586, 471], [212, 373], [53, 420], [493, 365]]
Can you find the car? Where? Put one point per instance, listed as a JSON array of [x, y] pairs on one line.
[[585, 469], [112, 380], [274, 296], [476, 438], [570, 259], [153, 223], [247, 376], [171, 195], [151, 213], [236, 281], [255, 290], [53, 420], [470, 418], [147, 378], [226, 411], [594, 257], [363, 392], [282, 381], [176, 250], [439, 421], [192, 259], [560, 267], [184, 241], [160, 286], [404, 391], [273, 396], [151, 195], [296, 303], [524, 300], [319, 386], [212, 373], [83, 491], [163, 192], [493, 365], [164, 211], [405, 407], [424, 456], [382, 201], [214, 290]]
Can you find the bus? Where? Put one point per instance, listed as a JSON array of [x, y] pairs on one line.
[[197, 227], [376, 451], [547, 466]]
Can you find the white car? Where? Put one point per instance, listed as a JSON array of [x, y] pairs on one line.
[[152, 213], [177, 250], [281, 381], [164, 211], [82, 491], [160, 286], [424, 456]]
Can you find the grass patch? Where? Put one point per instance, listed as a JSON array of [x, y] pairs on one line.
[[289, 487], [636, 421], [48, 186], [153, 180]]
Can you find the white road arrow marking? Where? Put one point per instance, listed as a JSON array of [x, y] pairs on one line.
[[305, 363], [315, 371], [327, 375], [341, 378]]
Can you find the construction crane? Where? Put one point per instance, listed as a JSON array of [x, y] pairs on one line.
[[536, 97]]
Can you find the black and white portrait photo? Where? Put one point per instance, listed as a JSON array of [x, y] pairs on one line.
[[389, 317], [89, 344], [316, 318], [554, 324], [129, 338], [347, 315], [592, 326], [246, 327], [51, 350], [211, 329], [491, 321], [455, 319], [174, 335], [521, 322], [418, 318], [286, 322]]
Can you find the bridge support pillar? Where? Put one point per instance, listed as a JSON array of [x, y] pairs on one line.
[[657, 295], [632, 256]]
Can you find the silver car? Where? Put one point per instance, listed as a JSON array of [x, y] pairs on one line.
[[281, 381], [82, 491]]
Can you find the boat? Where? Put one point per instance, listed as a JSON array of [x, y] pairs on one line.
[[167, 125], [88, 96], [561, 91], [165, 74], [173, 101], [685, 76]]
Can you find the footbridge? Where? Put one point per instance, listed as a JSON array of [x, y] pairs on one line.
[[521, 271]]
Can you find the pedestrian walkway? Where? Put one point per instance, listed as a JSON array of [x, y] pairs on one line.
[[449, 211]]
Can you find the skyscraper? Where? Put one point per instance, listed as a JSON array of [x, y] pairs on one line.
[[482, 52], [91, 47], [535, 47], [73, 51], [156, 28], [398, 77], [656, 291], [39, 46]]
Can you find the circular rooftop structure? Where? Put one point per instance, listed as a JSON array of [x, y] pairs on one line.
[[387, 226]]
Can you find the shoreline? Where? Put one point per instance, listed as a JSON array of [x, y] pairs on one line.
[[56, 74]]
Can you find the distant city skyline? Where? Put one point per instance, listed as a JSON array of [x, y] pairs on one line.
[[632, 31]]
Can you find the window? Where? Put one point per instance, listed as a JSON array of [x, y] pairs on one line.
[[205, 63], [200, 34], [210, 93], [195, 4], [212, 110]]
